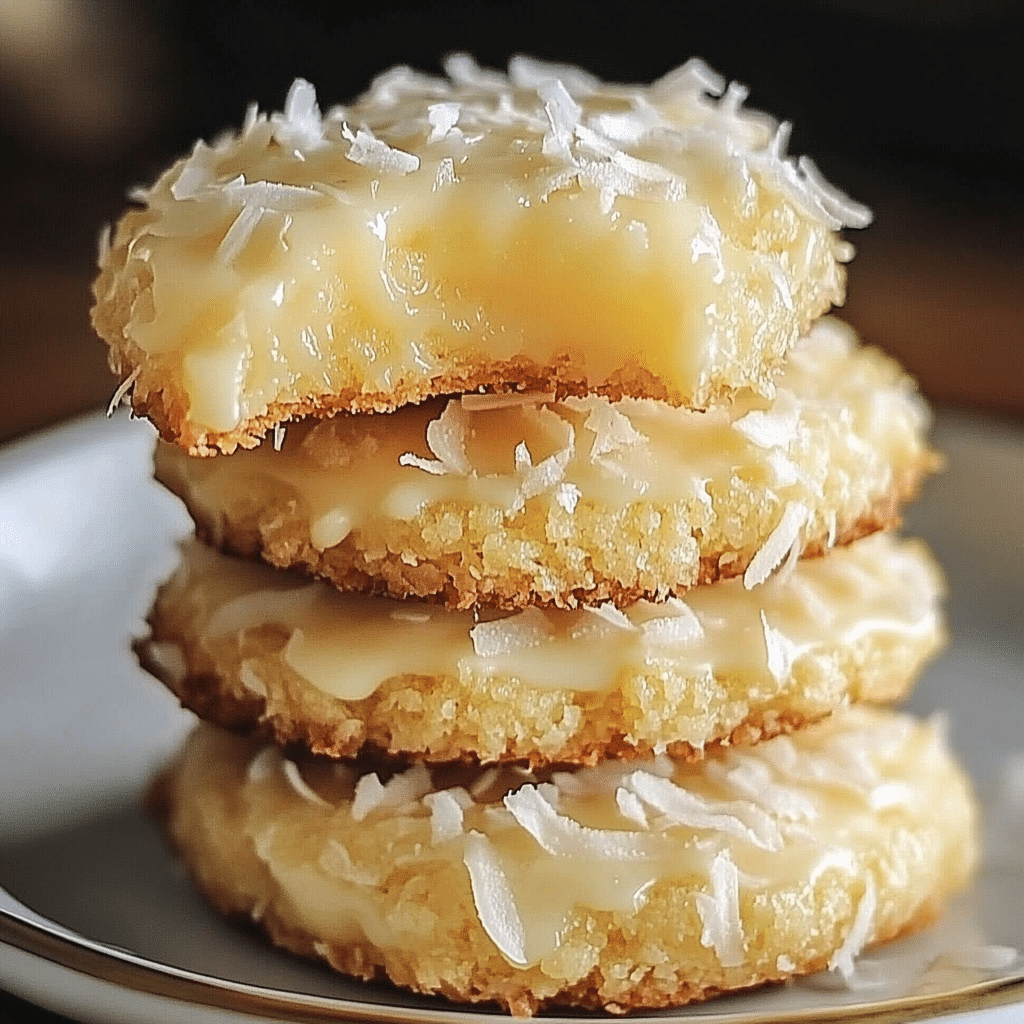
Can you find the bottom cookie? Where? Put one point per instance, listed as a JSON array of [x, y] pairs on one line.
[[627, 885]]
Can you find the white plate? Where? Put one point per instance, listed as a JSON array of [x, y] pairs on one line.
[[97, 922]]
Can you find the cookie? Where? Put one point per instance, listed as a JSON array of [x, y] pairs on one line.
[[626, 886], [261, 651], [480, 232], [576, 502]]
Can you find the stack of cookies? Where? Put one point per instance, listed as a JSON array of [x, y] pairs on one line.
[[541, 610]]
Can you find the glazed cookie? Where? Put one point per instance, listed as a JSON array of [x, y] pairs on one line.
[[261, 651], [629, 885], [576, 502], [540, 230]]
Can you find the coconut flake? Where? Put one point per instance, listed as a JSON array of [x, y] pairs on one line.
[[376, 155], [168, 659], [525, 629], [612, 430], [300, 127], [838, 208], [630, 807], [368, 796], [722, 929], [250, 678], [612, 615], [238, 234], [476, 402], [683, 807], [103, 244], [568, 496], [445, 174], [483, 783], [561, 836], [406, 788], [492, 896], [265, 763], [545, 476], [680, 627], [563, 114], [122, 389], [446, 438], [780, 651], [772, 428], [777, 545], [337, 861], [859, 933], [750, 778], [272, 195], [446, 816], [432, 466], [302, 787], [196, 176], [891, 794], [532, 73], [463, 70], [442, 118]]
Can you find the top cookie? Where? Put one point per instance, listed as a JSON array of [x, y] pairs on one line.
[[540, 230]]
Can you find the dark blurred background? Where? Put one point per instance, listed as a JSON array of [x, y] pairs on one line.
[[912, 107]]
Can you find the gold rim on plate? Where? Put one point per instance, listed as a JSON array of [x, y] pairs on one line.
[[136, 974]]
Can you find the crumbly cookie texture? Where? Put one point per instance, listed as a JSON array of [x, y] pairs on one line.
[[482, 231], [626, 886], [507, 503], [255, 650]]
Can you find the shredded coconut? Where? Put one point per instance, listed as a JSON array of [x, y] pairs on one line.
[[683, 807], [774, 428], [445, 174], [775, 548], [433, 466], [493, 899], [237, 236], [562, 836], [251, 679], [722, 929], [446, 816], [680, 626], [446, 438], [528, 628], [545, 476], [300, 127], [373, 153], [630, 807], [568, 496], [442, 117], [267, 762], [751, 779], [859, 933], [780, 651], [301, 786], [612, 615], [368, 796], [169, 660], [122, 390]]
